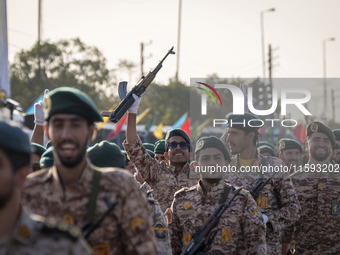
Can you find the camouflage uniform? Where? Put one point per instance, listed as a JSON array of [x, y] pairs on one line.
[[126, 230], [33, 236], [162, 179], [242, 229], [277, 200], [317, 231]]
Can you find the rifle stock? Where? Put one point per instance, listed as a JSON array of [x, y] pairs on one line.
[[138, 90]]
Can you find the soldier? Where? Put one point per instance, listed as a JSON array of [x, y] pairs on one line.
[[106, 154], [21, 232], [277, 199], [266, 151], [336, 149], [164, 180], [317, 184], [37, 151], [290, 152], [241, 229], [79, 193], [159, 151]]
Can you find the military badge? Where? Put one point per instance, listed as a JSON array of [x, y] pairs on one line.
[[24, 232], [335, 208], [262, 202], [136, 222], [160, 231], [226, 235], [314, 127], [186, 238], [200, 145], [47, 104], [101, 249], [320, 186], [168, 216], [282, 145], [68, 219], [187, 205]]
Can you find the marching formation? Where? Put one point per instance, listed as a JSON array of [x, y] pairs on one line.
[[135, 198]]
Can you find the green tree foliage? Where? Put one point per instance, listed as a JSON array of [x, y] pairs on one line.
[[63, 63]]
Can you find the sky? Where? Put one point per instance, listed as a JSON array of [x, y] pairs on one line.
[[217, 36]]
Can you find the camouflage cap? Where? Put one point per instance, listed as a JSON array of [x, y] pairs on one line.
[[47, 159], [159, 147], [70, 101], [266, 149], [318, 127], [106, 154], [212, 142], [288, 143], [14, 138], [177, 132], [247, 121], [149, 146], [336, 133], [38, 149]]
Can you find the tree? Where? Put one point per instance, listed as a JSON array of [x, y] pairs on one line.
[[64, 63]]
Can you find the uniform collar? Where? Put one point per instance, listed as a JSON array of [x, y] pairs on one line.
[[212, 189]]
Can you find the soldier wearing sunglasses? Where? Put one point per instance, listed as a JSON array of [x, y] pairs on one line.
[[164, 180]]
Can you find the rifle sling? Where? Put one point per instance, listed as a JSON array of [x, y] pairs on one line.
[[93, 196], [226, 193]]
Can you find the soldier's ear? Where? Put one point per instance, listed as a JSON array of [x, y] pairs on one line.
[[46, 131]]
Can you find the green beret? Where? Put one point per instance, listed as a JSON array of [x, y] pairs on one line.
[[266, 149], [242, 122], [149, 146], [337, 146], [260, 143], [177, 132], [287, 143], [151, 153], [37, 149], [47, 160], [12, 137], [70, 101], [336, 133], [127, 159], [159, 147], [49, 144], [212, 142], [106, 154], [318, 127]]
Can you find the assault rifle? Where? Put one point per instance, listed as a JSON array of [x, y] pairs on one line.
[[89, 227], [127, 99], [206, 234], [259, 186]]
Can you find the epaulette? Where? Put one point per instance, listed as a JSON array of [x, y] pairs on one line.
[[53, 227]]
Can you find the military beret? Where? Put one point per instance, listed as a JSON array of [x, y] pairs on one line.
[[70, 101], [37, 149], [212, 142], [106, 154], [336, 133], [49, 144], [177, 132], [127, 159], [337, 146], [14, 138], [266, 149], [287, 143], [47, 159], [149, 146], [159, 147], [241, 121], [260, 143], [318, 127], [151, 153]]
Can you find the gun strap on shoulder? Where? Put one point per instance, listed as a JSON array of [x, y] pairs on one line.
[[94, 194], [226, 193]]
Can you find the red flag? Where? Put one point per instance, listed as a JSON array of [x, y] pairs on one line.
[[300, 133], [116, 131], [186, 127]]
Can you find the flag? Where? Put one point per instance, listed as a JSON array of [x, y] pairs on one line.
[[300, 133], [158, 133], [194, 131], [150, 123], [203, 125], [106, 119], [180, 121], [4, 71], [186, 127], [142, 115], [116, 131]]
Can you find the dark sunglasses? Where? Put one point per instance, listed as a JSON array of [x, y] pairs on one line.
[[183, 145]]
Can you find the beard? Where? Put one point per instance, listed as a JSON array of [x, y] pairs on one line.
[[70, 163], [320, 156]]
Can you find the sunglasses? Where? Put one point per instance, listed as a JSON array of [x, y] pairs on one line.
[[183, 145]]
